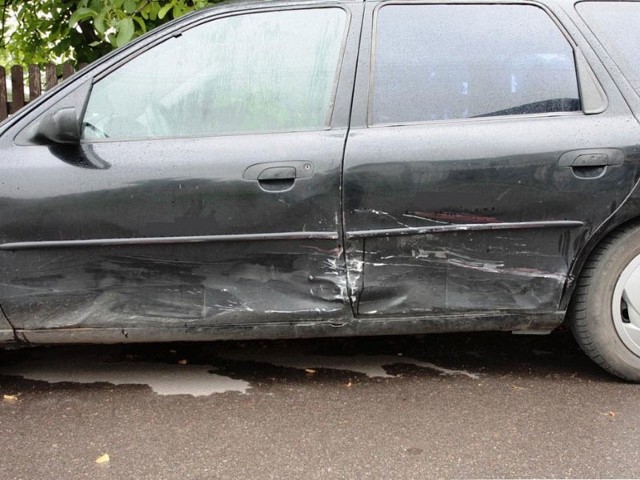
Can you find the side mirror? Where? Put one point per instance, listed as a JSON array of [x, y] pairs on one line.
[[60, 126]]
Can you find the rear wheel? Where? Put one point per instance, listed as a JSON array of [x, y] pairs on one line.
[[605, 310]]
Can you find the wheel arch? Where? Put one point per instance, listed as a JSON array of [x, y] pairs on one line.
[[627, 217]]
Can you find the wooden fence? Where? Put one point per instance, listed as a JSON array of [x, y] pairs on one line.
[[37, 77]]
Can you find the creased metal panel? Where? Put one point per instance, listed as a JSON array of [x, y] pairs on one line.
[[175, 285], [462, 271]]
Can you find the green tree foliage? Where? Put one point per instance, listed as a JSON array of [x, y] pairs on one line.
[[79, 30]]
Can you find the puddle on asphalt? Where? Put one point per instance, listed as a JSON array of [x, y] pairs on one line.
[[164, 379], [55, 366], [370, 365]]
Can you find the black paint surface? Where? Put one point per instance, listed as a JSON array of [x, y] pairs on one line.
[[450, 225]]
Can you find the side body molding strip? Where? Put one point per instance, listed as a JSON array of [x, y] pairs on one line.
[[170, 240], [398, 232]]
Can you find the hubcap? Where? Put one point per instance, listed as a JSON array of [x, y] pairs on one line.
[[626, 306]]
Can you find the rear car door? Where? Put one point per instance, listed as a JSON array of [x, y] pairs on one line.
[[205, 191], [483, 153]]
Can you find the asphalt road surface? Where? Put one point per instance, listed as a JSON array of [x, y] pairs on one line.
[[438, 406]]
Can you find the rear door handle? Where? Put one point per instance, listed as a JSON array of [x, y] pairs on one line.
[[601, 157], [277, 173]]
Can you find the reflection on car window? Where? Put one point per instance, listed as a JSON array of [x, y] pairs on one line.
[[438, 62], [260, 72], [617, 26]]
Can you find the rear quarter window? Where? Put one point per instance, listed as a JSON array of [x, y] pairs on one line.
[[617, 27]]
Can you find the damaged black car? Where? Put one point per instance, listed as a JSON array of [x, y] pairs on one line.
[[335, 168]]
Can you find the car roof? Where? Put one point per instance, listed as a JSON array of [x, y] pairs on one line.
[[251, 4]]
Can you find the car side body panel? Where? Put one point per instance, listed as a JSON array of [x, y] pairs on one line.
[[478, 214], [445, 253], [176, 233], [495, 232], [158, 240]]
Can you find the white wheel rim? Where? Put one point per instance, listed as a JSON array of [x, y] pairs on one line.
[[626, 306]]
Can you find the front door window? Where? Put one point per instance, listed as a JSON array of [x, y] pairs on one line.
[[260, 72]]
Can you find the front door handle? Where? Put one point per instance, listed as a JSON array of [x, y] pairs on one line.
[[279, 170], [278, 176], [277, 179]]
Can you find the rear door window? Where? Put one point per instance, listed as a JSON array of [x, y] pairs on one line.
[[617, 26], [440, 62]]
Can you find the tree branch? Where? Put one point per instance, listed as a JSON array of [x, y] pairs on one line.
[[88, 31]]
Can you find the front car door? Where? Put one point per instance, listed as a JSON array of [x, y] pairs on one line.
[[205, 192], [484, 156]]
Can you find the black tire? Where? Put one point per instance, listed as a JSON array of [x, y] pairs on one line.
[[591, 310]]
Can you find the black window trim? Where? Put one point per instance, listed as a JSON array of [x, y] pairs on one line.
[[585, 86]]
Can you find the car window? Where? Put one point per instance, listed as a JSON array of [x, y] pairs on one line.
[[617, 26], [437, 62], [259, 72]]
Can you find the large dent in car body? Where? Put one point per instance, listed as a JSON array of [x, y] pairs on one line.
[[462, 271], [210, 284], [495, 194], [6, 331]]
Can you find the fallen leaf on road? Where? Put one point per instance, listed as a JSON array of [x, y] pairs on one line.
[[612, 414], [348, 384], [413, 451], [10, 398], [104, 458]]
